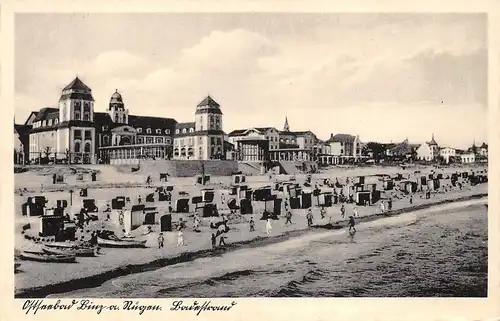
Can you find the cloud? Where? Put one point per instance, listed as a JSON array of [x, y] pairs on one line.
[[328, 79]]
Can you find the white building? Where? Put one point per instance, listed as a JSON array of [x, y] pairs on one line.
[[266, 133], [344, 145], [428, 151], [447, 152], [468, 158], [204, 138]]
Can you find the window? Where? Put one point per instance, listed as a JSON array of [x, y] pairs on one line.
[[116, 118], [177, 131], [212, 140], [191, 130], [56, 121], [77, 147], [43, 123], [158, 131], [159, 140], [190, 141], [167, 141], [78, 134], [148, 130], [50, 122], [86, 107], [88, 134], [184, 131], [219, 141], [140, 140], [149, 140], [167, 131], [105, 140], [86, 116], [139, 130]]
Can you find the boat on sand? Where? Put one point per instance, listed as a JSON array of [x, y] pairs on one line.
[[44, 257], [68, 250], [114, 241]]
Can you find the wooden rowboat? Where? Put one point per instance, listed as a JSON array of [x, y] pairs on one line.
[[116, 242], [44, 257], [77, 251]]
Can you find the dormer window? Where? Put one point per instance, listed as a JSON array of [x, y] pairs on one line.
[[191, 130], [56, 121], [148, 130], [158, 131], [50, 122], [177, 131], [139, 130], [43, 123], [167, 131], [184, 131]]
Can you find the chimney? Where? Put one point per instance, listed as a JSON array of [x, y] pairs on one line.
[[331, 135]]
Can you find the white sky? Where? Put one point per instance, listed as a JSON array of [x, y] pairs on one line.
[[382, 76]]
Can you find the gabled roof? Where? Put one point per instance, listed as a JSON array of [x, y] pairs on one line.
[[237, 132], [44, 112], [152, 122], [22, 130], [284, 133], [484, 145], [342, 138], [77, 84], [208, 101], [185, 125], [265, 129]]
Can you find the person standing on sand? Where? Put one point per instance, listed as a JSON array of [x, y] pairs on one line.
[[160, 240], [222, 239], [352, 223], [288, 218], [355, 212], [309, 218], [411, 199], [342, 211], [139, 199], [322, 212], [214, 241], [252, 225], [269, 227], [382, 207], [180, 238]]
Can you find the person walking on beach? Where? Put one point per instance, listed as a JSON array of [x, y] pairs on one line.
[[309, 218], [252, 225], [222, 239], [389, 203], [160, 240], [382, 207], [411, 199], [139, 199], [148, 180], [288, 218], [352, 223], [355, 212], [269, 227], [180, 238], [214, 241], [342, 211], [322, 212]]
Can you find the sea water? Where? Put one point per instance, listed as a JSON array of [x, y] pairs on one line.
[[440, 251]]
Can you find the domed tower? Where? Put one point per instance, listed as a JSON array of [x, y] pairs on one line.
[[208, 127], [117, 110], [76, 102]]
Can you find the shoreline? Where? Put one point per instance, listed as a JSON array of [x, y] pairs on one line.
[[104, 276]]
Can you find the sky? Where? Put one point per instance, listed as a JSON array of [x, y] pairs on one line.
[[384, 77]]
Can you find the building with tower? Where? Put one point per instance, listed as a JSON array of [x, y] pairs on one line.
[[428, 151], [204, 138], [74, 133]]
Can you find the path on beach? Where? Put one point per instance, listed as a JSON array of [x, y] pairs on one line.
[[440, 251]]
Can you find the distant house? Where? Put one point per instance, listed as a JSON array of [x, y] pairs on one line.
[[21, 143], [483, 150], [401, 150], [344, 145], [447, 153], [428, 151], [265, 133], [468, 157]]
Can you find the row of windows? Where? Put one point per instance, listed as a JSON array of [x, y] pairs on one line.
[[78, 134], [86, 115], [149, 131], [184, 130], [44, 123]]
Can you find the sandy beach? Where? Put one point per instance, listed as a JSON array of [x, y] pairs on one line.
[[42, 279]]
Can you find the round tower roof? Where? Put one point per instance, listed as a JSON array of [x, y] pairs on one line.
[[116, 98]]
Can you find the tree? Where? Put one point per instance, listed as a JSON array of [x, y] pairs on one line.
[[46, 151], [377, 149]]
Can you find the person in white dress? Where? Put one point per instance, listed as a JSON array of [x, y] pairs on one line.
[[382, 207], [269, 227], [180, 238]]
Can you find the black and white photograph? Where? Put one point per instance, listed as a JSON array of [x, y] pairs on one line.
[[250, 155]]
